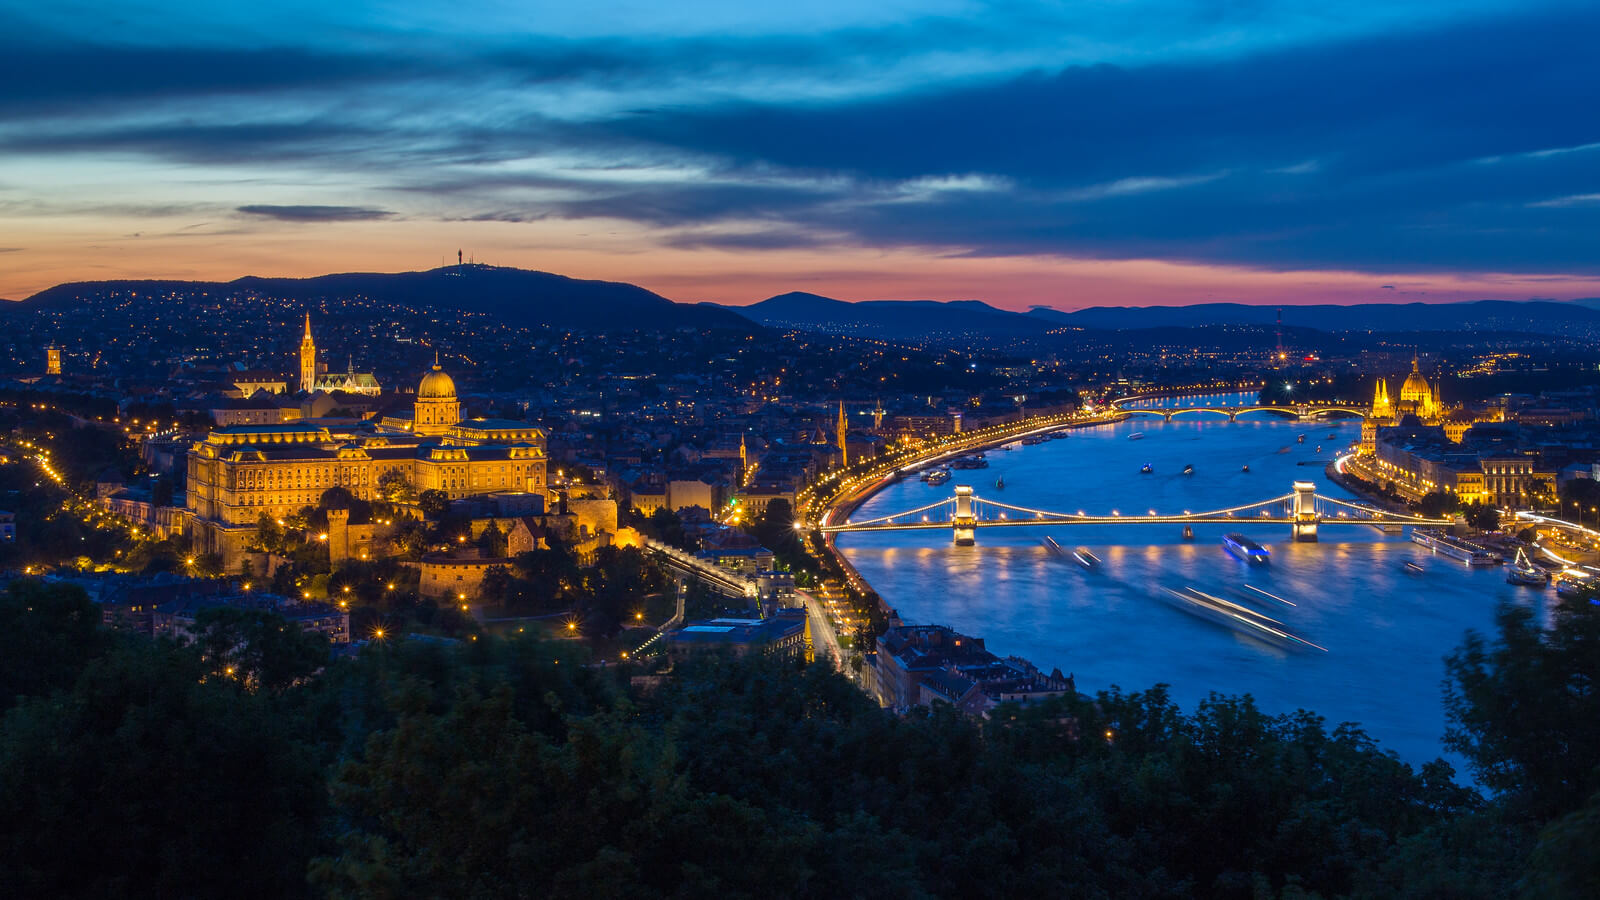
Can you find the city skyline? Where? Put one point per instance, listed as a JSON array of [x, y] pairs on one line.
[[1017, 154]]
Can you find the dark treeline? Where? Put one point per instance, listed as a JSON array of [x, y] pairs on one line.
[[246, 765]]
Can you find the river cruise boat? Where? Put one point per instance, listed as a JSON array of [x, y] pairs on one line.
[[1454, 547], [938, 477], [1136, 436], [1232, 615], [1058, 435], [970, 462], [1084, 558], [1522, 571], [1241, 547], [1033, 440]]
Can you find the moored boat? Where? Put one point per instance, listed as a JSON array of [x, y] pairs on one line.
[[1456, 548], [1522, 571], [938, 477]]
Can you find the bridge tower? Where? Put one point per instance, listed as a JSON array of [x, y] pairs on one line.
[[1304, 526], [965, 520]]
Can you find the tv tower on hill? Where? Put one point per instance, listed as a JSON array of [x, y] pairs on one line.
[[1281, 356]]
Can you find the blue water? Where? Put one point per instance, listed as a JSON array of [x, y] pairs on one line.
[[1386, 630]]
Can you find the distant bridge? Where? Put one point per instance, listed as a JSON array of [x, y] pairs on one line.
[[1302, 509], [1296, 412]]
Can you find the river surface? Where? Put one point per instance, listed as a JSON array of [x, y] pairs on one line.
[[1386, 630]]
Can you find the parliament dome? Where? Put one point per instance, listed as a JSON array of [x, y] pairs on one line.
[[436, 385], [1416, 388]]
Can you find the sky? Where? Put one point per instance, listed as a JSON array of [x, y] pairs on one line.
[[1070, 154]]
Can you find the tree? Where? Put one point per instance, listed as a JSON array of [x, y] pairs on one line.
[[493, 541], [1482, 516], [1437, 504], [395, 487], [1524, 709], [433, 503]]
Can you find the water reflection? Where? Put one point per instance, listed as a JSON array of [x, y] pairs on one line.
[[1386, 631]]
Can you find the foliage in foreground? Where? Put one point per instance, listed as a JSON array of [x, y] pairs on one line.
[[510, 768]]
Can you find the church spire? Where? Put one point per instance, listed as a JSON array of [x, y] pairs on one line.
[[841, 429]]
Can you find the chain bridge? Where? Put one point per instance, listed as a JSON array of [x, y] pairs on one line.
[[1302, 509]]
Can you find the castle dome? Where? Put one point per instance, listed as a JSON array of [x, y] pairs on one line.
[[436, 385]]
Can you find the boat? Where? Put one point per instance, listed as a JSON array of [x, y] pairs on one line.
[[1454, 547], [1058, 435], [1319, 448], [938, 477], [1256, 592], [1524, 572], [1413, 567], [1147, 470], [1086, 559], [1051, 545], [1241, 547], [1300, 440], [1571, 587], [1239, 618], [1136, 436], [1188, 469], [1000, 483], [970, 462], [1033, 440], [1245, 468], [1333, 435]]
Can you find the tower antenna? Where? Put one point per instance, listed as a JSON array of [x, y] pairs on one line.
[[1281, 355]]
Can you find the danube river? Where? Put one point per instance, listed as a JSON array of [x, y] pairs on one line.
[[1386, 629]]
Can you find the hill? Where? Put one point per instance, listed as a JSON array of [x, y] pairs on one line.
[[890, 319], [523, 297]]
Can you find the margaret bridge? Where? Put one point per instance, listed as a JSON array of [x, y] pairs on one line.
[[1302, 509], [1298, 411]]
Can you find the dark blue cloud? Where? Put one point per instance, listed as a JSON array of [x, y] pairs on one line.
[[1420, 148], [315, 213]]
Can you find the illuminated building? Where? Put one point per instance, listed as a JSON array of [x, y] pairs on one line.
[[349, 381], [239, 474], [308, 360]]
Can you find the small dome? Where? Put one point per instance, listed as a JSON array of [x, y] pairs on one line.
[[436, 385]]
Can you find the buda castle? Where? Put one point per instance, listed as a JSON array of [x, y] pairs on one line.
[[239, 474]]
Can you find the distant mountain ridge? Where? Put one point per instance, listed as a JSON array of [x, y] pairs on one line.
[[1497, 315], [523, 296], [901, 319]]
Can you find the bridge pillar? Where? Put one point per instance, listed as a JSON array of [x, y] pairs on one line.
[[965, 521], [1233, 416], [1304, 526], [1167, 416]]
